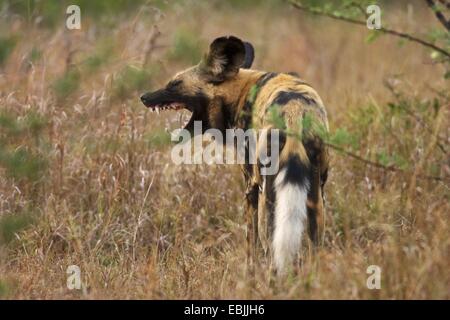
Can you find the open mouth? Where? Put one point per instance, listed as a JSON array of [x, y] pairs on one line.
[[184, 117], [186, 107]]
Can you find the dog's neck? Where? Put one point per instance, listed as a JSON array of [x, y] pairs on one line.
[[236, 94]]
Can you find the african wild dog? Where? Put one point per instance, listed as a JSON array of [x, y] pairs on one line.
[[223, 93]]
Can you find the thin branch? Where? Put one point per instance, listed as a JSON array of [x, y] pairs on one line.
[[359, 7], [363, 23], [411, 113], [439, 15], [381, 166]]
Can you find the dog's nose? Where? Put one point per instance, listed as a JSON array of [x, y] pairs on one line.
[[144, 98]]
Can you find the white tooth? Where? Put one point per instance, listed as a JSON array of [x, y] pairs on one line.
[[157, 111]]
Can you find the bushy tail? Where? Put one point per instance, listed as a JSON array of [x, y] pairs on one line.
[[291, 191]]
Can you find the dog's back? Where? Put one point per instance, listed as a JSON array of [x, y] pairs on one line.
[[294, 195]]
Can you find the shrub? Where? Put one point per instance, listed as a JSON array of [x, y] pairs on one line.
[[67, 84], [7, 45]]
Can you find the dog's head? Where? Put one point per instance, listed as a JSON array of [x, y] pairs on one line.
[[195, 89]]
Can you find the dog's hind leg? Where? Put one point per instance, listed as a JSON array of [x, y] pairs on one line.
[[315, 205], [251, 217]]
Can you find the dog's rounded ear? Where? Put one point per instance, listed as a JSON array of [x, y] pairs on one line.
[[226, 55], [249, 55]]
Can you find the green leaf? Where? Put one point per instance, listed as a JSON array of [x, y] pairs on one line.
[[383, 158], [275, 117], [372, 36], [341, 137], [311, 126]]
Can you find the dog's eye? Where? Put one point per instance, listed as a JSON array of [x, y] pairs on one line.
[[174, 84]]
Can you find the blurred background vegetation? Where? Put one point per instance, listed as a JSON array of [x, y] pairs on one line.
[[86, 176]]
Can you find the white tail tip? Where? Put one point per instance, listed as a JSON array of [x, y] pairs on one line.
[[290, 218]]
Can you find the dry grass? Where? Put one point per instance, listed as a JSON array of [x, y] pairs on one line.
[[138, 226]]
